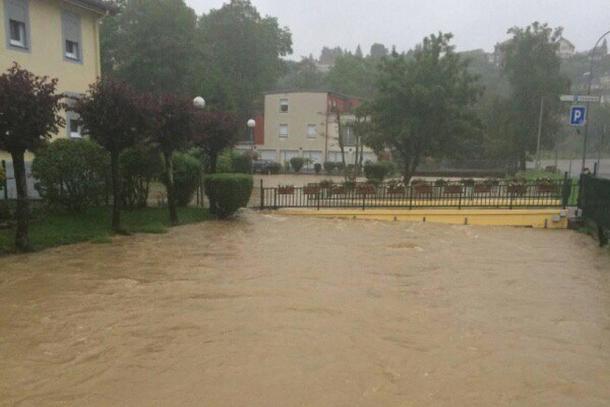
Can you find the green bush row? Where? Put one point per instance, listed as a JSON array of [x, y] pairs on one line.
[[74, 174]]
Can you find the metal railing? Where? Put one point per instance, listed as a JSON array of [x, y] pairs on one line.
[[499, 195], [594, 200]]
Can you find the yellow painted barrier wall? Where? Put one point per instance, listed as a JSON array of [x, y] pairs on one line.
[[535, 218]]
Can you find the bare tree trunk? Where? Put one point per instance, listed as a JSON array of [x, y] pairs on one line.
[[22, 240], [116, 192], [410, 166], [213, 163], [171, 192]]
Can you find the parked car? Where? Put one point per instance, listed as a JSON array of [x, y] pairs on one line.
[[265, 166]]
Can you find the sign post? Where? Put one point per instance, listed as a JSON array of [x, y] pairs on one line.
[[578, 117]]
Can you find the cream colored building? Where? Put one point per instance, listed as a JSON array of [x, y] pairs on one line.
[[56, 38], [303, 124]]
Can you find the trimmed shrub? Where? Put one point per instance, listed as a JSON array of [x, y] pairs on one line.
[[329, 166], [139, 166], [297, 163], [5, 211], [317, 167], [71, 173], [242, 163], [275, 168], [227, 192], [224, 165], [187, 171], [378, 171]]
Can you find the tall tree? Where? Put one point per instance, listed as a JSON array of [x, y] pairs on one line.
[[29, 110], [302, 75], [353, 76], [171, 129], [114, 115], [423, 104], [532, 67], [378, 51], [239, 55], [328, 56], [150, 44]]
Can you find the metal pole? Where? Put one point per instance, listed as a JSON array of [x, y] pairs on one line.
[[538, 163], [592, 60], [601, 145], [584, 150]]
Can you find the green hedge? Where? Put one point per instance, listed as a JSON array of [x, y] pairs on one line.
[[227, 192], [378, 171], [71, 174], [187, 170], [139, 167]]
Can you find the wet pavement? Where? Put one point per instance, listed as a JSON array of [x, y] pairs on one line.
[[271, 311]]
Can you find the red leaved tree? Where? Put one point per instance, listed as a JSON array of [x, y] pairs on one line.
[[29, 110], [116, 116], [213, 132], [171, 127]]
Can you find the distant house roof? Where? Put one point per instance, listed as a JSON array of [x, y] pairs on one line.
[[101, 6]]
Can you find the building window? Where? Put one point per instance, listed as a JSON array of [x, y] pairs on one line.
[[16, 21], [74, 128], [17, 35], [349, 138], [312, 131], [283, 105], [72, 50], [283, 131], [71, 33]]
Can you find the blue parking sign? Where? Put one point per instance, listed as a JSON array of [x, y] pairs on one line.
[[578, 116]]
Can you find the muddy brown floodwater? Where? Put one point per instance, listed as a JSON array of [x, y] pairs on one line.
[[272, 311]]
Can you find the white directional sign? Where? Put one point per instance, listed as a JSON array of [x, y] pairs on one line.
[[578, 116], [580, 98]]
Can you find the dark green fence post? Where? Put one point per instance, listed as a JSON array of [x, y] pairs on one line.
[[262, 196], [566, 191]]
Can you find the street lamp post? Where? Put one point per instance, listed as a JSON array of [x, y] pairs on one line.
[[592, 60], [199, 102], [251, 125]]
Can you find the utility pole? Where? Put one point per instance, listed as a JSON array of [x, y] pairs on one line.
[[538, 152], [601, 145]]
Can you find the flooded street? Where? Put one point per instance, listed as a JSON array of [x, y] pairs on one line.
[[271, 311]]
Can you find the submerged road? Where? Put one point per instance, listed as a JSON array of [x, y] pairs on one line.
[[270, 311]]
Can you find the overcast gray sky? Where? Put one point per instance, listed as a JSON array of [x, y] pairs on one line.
[[475, 23]]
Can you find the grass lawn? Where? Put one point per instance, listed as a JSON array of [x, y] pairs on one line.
[[533, 175], [49, 230]]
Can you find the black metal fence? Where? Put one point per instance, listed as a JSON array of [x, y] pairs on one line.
[[421, 195], [594, 200]]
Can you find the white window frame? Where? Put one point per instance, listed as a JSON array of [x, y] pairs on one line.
[[284, 103], [73, 54], [21, 30], [310, 134], [283, 134]]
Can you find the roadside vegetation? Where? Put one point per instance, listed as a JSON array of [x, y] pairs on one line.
[[51, 229]]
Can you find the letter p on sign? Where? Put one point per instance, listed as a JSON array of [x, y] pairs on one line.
[[578, 116]]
